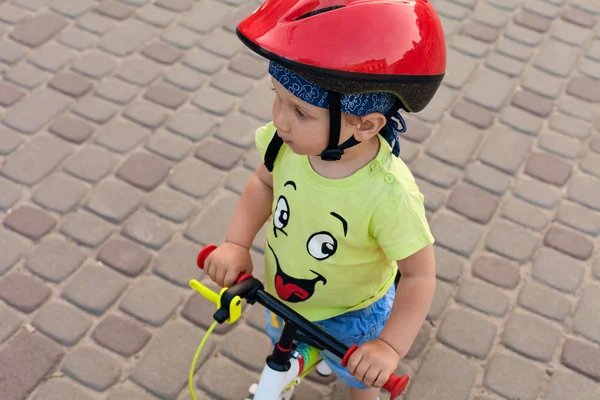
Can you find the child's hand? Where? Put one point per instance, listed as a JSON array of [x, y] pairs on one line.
[[224, 265], [373, 363]]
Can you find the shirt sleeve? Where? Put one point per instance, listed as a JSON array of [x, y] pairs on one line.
[[263, 137], [401, 228]]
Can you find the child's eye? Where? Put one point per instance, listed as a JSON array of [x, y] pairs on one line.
[[299, 113]]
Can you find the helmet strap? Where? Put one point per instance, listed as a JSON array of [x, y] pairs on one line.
[[333, 152]]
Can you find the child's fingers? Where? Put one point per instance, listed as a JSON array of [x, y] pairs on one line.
[[382, 378], [361, 370], [371, 376], [220, 276], [354, 361], [230, 278]]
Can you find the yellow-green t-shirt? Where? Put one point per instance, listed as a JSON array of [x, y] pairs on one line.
[[332, 244]]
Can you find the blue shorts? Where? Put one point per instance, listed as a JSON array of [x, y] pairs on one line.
[[355, 327]]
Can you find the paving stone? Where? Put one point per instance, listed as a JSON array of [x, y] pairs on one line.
[[180, 37], [9, 94], [10, 53], [11, 14], [92, 367], [542, 83], [231, 83], [38, 29], [72, 129], [585, 89], [124, 256], [71, 8], [558, 270], [111, 135], [162, 52], [548, 168], [467, 332], [252, 158], [84, 291], [30, 222], [449, 266], [496, 270], [442, 294], [582, 358], [185, 78], [544, 301], [238, 179], [491, 16], [12, 248], [259, 103], [95, 109], [146, 114], [137, 3], [61, 322], [444, 228], [200, 312], [591, 164], [593, 50], [505, 64], [587, 5], [594, 144], [532, 21], [438, 106], [147, 230], [60, 389], [85, 228], [138, 71], [546, 58], [566, 385], [132, 392], [126, 38], [121, 335], [451, 10], [70, 84], [175, 5], [202, 61], [533, 103], [589, 68], [144, 171], [513, 377], [50, 57], [170, 146], [473, 203], [55, 259], [91, 163], [576, 107], [35, 111], [494, 83], [480, 32], [579, 217], [587, 319], [455, 142], [59, 192], [26, 76], [163, 369], [434, 171], [113, 200], [218, 154], [9, 194], [521, 120], [569, 242], [116, 90], [151, 300], [416, 131], [170, 205], [205, 16], [237, 380], [95, 65], [434, 197], [596, 269], [483, 297], [570, 33], [176, 263], [248, 66], [443, 374], [525, 214], [166, 95], [511, 241], [195, 178], [114, 9], [212, 216], [214, 101], [30, 358], [569, 126], [23, 292], [76, 38], [247, 347], [536, 192], [192, 124], [531, 336], [513, 49], [504, 148]]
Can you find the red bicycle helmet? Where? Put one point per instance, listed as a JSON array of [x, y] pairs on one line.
[[354, 46]]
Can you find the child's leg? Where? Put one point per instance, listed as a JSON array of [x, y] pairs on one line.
[[364, 394]]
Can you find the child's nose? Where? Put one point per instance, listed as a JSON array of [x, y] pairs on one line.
[[280, 123]]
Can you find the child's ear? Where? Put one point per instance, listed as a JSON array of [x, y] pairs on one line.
[[369, 126]]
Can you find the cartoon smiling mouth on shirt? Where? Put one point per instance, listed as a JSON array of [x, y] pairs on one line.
[[320, 245]]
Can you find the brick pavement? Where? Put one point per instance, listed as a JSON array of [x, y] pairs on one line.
[[126, 139]]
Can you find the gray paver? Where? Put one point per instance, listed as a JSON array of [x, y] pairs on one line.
[[214, 101], [35, 111], [59, 192], [542, 83], [531, 336], [95, 109], [92, 368], [176, 263], [147, 230], [85, 228], [242, 339], [9, 140], [30, 222], [579, 217], [473, 203], [591, 164], [84, 291], [558, 270], [587, 321], [11, 321], [514, 49], [113, 200], [146, 114], [521, 120], [91, 163], [536, 192], [122, 335], [156, 16], [210, 216], [72, 129], [151, 300], [449, 266], [172, 147], [195, 178], [567, 385], [444, 227], [442, 294], [581, 357], [50, 57], [455, 142], [55, 259], [10, 52], [525, 214], [76, 38], [200, 311], [496, 270], [124, 256], [467, 332], [238, 179], [473, 114], [205, 16], [26, 76], [111, 137], [180, 37], [569, 126], [23, 292], [126, 38], [71, 8], [62, 322], [12, 14], [38, 29], [116, 90], [483, 297], [184, 78], [513, 377], [576, 107], [95, 65], [30, 357], [569, 242], [9, 194], [512, 241], [163, 369], [9, 94], [544, 301], [166, 95], [489, 89], [60, 389], [237, 381], [138, 71], [546, 60]]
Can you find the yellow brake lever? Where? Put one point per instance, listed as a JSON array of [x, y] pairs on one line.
[[235, 306]]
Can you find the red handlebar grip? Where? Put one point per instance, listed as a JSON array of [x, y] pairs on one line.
[[203, 255], [395, 385]]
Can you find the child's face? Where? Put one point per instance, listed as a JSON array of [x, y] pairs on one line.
[[302, 126]]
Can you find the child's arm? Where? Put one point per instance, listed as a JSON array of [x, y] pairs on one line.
[[233, 257], [413, 299]]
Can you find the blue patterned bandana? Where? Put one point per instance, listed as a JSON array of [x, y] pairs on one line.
[[356, 104]]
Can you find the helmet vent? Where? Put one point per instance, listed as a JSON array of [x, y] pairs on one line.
[[319, 11]]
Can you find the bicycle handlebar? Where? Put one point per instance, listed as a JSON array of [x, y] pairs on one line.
[[395, 384]]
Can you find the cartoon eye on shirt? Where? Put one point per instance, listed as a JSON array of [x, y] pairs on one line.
[[320, 245]]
